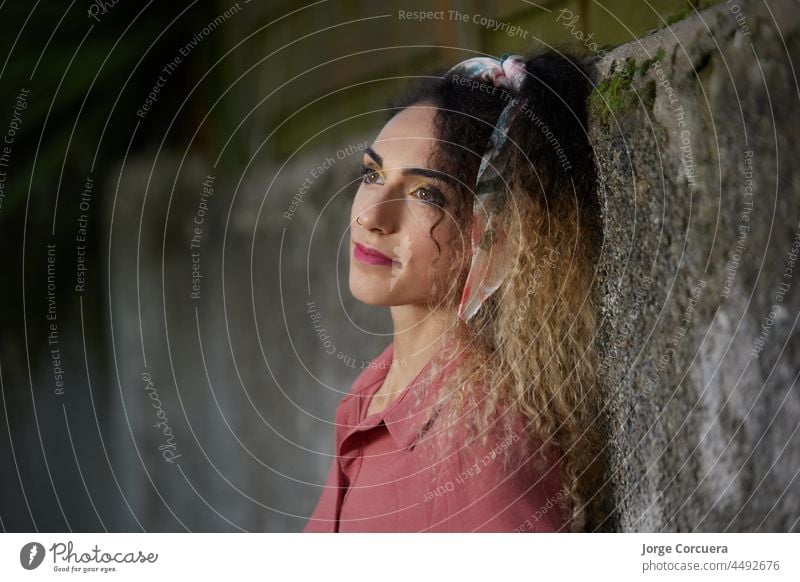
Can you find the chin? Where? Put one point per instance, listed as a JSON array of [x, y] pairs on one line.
[[369, 292], [371, 299]]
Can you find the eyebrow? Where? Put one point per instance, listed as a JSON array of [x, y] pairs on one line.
[[374, 155], [428, 173]]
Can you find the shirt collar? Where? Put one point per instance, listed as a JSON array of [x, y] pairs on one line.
[[404, 419]]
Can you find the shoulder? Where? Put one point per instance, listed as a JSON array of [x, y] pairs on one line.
[[485, 490]]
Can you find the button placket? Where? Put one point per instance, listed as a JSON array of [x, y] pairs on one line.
[[351, 456]]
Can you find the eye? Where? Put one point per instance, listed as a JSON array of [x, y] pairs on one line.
[[369, 175], [431, 195]]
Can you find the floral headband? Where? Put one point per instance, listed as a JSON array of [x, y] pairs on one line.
[[490, 260]]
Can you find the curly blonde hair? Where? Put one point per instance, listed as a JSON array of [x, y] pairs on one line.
[[530, 348]]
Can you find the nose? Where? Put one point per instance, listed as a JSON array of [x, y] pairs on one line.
[[380, 210]]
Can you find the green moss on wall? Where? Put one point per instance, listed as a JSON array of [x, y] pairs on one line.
[[645, 66], [613, 94], [616, 93]]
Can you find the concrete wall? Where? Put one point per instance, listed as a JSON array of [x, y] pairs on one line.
[[248, 359]]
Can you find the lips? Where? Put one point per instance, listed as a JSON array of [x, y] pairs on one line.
[[370, 256]]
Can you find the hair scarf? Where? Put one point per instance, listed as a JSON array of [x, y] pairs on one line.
[[491, 252]]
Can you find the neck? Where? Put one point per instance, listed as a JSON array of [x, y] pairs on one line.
[[418, 334]]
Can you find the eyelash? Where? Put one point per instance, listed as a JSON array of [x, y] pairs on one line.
[[366, 171], [438, 198]]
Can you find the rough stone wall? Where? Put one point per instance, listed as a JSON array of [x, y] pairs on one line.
[[695, 129]]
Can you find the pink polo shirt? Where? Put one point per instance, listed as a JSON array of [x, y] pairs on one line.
[[380, 482]]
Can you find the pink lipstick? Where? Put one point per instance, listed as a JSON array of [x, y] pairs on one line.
[[370, 256]]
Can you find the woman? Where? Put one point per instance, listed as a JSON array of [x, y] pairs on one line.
[[476, 223]]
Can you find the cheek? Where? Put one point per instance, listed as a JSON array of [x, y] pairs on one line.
[[355, 207], [423, 249], [427, 256]]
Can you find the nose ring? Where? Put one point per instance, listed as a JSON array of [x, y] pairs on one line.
[[358, 221]]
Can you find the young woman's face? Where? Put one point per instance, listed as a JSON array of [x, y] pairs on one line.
[[398, 202]]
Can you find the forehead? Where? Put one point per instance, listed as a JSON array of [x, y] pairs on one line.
[[407, 138]]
